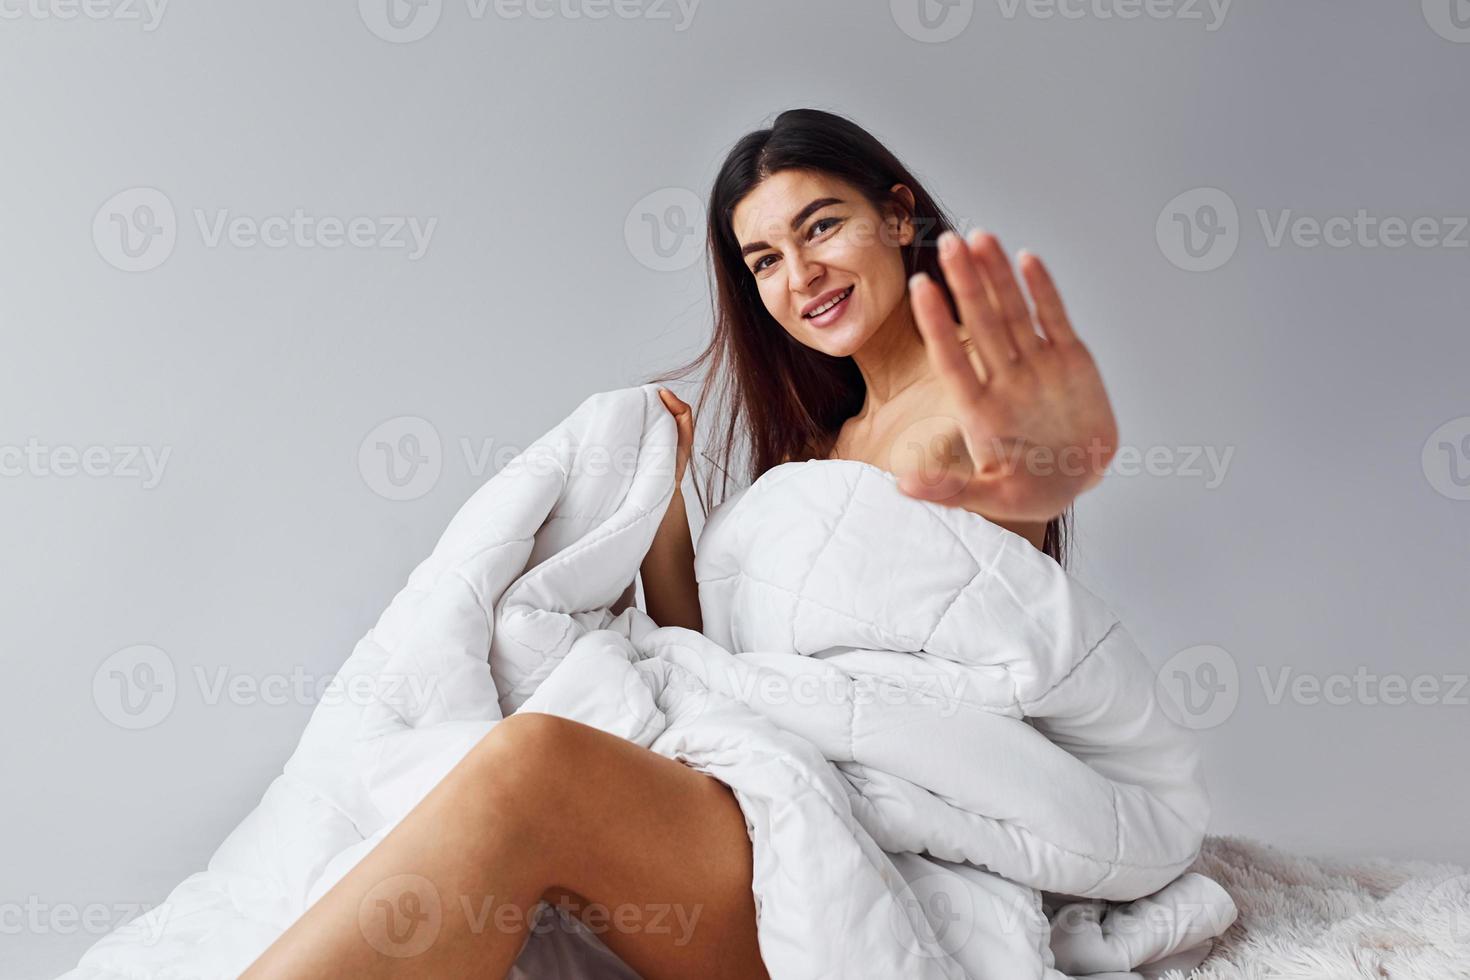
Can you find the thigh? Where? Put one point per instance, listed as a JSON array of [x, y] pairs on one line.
[[652, 855]]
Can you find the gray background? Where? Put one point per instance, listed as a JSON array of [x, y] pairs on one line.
[[1332, 545]]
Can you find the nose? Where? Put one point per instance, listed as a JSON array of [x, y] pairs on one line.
[[801, 273]]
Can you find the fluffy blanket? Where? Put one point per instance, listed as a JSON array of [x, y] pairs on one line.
[[948, 752], [1319, 918]]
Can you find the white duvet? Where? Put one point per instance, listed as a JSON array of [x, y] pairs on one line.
[[948, 752]]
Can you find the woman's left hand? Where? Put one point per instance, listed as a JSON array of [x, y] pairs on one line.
[[1030, 405]]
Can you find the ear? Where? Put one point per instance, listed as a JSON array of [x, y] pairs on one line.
[[901, 219]]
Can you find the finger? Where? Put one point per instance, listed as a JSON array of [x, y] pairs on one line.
[[672, 402], [1049, 310], [941, 340], [1014, 311], [991, 339]]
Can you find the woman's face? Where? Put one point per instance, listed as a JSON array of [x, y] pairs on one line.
[[807, 238]]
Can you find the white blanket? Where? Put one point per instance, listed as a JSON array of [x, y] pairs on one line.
[[948, 752]]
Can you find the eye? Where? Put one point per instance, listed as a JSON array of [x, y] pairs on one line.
[[820, 223], [817, 227]]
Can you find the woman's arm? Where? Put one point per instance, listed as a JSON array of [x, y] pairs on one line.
[[670, 591]]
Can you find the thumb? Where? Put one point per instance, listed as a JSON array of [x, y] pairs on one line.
[[683, 414]]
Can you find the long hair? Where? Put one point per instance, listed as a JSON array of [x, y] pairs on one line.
[[778, 398]]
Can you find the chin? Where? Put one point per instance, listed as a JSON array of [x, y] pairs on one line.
[[841, 341]]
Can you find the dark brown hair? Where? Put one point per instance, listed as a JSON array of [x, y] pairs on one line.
[[783, 400]]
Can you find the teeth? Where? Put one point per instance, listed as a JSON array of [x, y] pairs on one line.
[[831, 303]]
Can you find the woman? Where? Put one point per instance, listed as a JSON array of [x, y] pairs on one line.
[[842, 333]]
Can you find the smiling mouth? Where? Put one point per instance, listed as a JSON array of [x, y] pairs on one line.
[[829, 305]]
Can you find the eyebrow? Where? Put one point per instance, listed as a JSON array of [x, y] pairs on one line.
[[796, 222]]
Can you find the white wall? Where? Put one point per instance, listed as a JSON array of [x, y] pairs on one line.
[[264, 551]]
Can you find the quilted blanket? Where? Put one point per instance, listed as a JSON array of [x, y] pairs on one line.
[[949, 753]]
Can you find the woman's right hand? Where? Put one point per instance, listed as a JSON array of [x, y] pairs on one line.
[[684, 419]]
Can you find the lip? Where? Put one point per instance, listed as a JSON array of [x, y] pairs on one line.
[[822, 299], [835, 313]]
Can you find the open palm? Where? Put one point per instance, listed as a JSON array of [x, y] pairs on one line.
[[1028, 399]]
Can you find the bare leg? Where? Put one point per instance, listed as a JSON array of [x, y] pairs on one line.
[[542, 807]]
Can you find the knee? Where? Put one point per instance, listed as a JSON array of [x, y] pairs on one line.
[[530, 735], [524, 757]]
